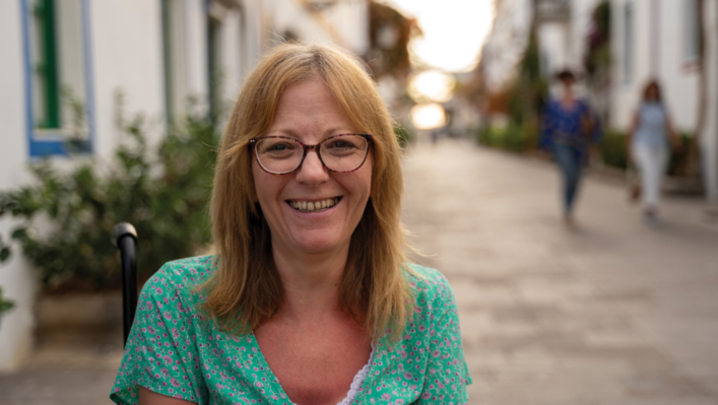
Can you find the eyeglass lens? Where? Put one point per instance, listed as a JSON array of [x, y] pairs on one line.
[[341, 153]]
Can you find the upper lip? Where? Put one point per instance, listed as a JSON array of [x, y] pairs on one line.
[[313, 199]]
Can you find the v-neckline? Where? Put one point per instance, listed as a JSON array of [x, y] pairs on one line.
[[270, 377]]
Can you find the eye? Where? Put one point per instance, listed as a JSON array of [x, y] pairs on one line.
[[340, 144], [278, 147]]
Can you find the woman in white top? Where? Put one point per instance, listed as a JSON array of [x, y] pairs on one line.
[[649, 147]]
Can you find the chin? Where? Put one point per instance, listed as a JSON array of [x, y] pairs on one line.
[[318, 242]]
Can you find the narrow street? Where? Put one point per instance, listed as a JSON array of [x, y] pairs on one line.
[[612, 312]]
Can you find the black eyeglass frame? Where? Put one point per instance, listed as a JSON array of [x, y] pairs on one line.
[[316, 147]]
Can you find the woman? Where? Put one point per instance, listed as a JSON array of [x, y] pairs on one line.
[[648, 141], [309, 298], [567, 129]]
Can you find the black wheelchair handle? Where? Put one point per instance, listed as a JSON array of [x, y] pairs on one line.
[[121, 230], [124, 236]]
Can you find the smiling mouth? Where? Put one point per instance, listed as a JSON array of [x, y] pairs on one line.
[[313, 206]]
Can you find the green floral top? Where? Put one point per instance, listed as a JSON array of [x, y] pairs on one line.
[[173, 350]]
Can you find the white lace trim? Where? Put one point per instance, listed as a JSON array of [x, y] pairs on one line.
[[358, 380]]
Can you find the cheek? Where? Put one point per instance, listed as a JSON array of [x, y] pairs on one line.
[[266, 186]]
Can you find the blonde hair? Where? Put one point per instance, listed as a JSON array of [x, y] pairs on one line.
[[245, 290]]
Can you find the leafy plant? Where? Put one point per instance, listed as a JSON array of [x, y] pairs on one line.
[[402, 135], [161, 189], [513, 138]]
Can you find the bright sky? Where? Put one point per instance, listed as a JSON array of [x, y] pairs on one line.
[[454, 30]]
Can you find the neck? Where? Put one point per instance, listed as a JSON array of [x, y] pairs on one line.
[[568, 95], [311, 283]]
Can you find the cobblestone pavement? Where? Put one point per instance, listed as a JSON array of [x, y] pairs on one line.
[[611, 312]]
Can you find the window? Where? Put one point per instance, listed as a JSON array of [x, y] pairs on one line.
[[58, 76], [691, 35], [46, 98], [628, 38]]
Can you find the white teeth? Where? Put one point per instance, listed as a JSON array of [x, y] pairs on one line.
[[314, 206]]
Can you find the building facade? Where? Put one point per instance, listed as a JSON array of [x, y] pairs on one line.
[[650, 39], [158, 54]]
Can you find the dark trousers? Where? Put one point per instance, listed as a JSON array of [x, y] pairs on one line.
[[569, 160]]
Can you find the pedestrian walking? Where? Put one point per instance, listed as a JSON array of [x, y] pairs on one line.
[[568, 128], [649, 143]]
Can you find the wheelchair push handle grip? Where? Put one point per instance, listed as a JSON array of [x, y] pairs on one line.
[[124, 236], [121, 230]]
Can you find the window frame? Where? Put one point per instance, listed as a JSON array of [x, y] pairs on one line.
[[46, 140]]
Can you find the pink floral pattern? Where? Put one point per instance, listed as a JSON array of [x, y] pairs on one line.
[[176, 351]]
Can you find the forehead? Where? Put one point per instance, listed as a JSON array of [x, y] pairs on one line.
[[308, 110]]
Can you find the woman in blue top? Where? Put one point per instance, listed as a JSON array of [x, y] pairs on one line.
[[568, 127], [309, 298], [648, 141]]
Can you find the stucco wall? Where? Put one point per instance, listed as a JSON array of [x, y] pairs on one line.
[[679, 79], [16, 276]]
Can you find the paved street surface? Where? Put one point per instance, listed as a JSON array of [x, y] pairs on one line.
[[611, 312]]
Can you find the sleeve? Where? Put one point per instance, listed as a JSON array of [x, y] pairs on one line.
[[161, 353], [546, 127], [447, 374]]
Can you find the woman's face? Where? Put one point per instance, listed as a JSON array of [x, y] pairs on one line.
[[652, 93], [308, 112]]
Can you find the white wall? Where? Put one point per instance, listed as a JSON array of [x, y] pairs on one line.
[[553, 40], [709, 139], [679, 79], [16, 276], [506, 43], [127, 56]]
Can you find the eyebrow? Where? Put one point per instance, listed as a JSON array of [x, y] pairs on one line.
[[327, 133]]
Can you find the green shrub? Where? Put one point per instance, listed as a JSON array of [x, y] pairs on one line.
[[513, 138], [677, 165], [162, 190], [613, 149], [402, 135], [614, 153]]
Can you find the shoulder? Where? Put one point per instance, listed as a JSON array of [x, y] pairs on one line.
[[179, 277], [431, 290]]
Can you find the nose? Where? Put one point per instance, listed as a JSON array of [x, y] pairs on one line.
[[312, 172]]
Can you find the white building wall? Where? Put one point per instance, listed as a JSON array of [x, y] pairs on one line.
[[709, 139], [128, 61], [679, 79], [16, 276], [506, 43], [553, 40], [195, 51]]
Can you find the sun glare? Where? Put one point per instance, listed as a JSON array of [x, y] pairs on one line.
[[454, 31], [431, 85], [428, 116]]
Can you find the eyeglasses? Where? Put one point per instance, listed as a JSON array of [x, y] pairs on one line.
[[343, 153]]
